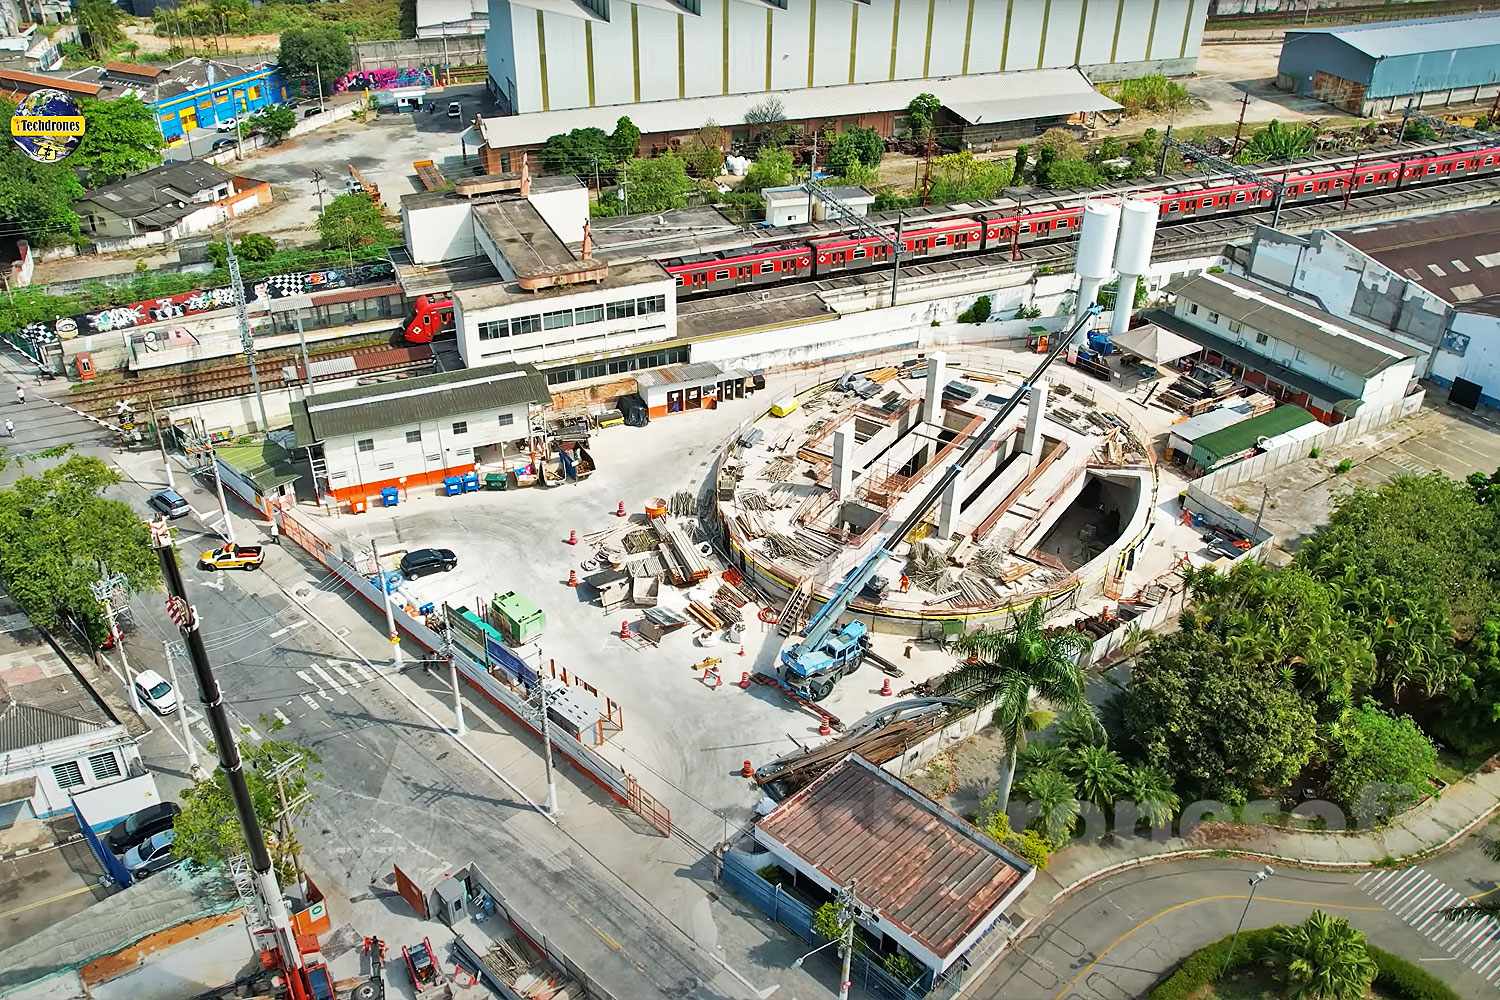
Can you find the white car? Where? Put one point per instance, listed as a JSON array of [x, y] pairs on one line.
[[154, 690], [455, 110], [150, 856], [227, 124]]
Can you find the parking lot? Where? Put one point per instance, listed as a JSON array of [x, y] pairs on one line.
[[1438, 438]]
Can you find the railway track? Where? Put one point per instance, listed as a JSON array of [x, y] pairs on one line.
[[225, 381]]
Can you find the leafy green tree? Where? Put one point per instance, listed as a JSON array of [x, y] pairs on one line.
[[1010, 667], [1070, 173], [1278, 143], [921, 116], [1018, 171], [36, 199], [1326, 959], [255, 247], [1080, 727], [305, 53], [853, 147], [1056, 800], [657, 184], [1420, 131], [99, 23], [772, 168], [767, 122], [120, 138], [965, 177], [1098, 773], [1378, 764], [208, 829], [1062, 143], [1040, 755], [581, 151], [704, 152], [625, 140], [55, 529], [275, 123], [1150, 788], [1221, 726], [351, 220]]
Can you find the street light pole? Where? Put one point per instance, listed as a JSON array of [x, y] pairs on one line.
[[213, 458], [542, 724], [390, 615], [161, 442], [1255, 881], [104, 592], [458, 701], [187, 737]]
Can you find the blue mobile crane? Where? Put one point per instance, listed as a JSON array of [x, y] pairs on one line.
[[827, 652]]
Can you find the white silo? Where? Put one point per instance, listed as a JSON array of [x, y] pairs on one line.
[[1094, 262], [1132, 257]]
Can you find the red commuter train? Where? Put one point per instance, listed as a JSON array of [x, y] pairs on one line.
[[1006, 228]]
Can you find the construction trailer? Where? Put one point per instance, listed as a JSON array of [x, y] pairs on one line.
[[520, 621]]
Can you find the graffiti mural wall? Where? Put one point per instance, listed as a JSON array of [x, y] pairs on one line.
[[202, 300], [385, 79]]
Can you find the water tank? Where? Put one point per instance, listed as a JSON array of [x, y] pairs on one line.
[[1137, 233], [1096, 243]]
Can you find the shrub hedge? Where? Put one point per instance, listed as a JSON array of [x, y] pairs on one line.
[[1396, 976]]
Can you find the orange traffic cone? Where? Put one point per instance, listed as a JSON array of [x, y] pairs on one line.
[[744, 680], [620, 510], [824, 729], [573, 536], [572, 578], [747, 770], [885, 689], [625, 632]]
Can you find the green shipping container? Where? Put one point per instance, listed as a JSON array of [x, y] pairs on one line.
[[520, 621]]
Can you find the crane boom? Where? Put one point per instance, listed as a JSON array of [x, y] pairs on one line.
[[825, 619]]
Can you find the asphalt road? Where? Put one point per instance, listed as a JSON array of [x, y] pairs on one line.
[[1118, 937]]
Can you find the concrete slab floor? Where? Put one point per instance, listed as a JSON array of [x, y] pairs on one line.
[[47, 887]]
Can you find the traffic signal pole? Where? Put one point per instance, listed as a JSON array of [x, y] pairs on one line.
[[267, 888]]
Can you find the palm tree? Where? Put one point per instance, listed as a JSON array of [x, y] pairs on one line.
[[1099, 773], [1326, 959], [1057, 802], [1081, 727], [1012, 666], [1155, 801], [1042, 756]]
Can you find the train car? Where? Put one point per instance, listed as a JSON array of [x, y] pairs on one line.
[[431, 315], [742, 267]]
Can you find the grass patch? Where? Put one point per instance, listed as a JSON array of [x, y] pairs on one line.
[[1154, 94]]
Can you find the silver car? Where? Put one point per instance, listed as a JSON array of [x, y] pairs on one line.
[[152, 856]]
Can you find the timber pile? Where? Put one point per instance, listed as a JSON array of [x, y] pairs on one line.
[[883, 375], [890, 741], [706, 616], [683, 504], [779, 469], [684, 562]]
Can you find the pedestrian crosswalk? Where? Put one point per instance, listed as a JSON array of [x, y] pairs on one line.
[[1421, 899], [329, 679]]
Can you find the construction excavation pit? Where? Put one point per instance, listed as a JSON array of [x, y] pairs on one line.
[[1051, 505]]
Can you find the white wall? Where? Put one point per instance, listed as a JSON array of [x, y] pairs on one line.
[[39, 760], [635, 54], [1477, 336], [572, 341], [393, 456], [565, 210], [440, 232]]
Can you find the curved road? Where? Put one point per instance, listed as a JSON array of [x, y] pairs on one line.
[[1116, 938]]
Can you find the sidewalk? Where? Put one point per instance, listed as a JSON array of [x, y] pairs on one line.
[[1424, 829]]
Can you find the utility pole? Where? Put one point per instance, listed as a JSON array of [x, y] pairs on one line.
[[927, 169], [458, 702], [187, 736], [1240, 125], [896, 257], [318, 180], [539, 694], [302, 340], [812, 174], [213, 458], [247, 340], [1255, 881], [161, 443], [185, 616], [104, 590], [321, 108], [390, 615], [850, 908]]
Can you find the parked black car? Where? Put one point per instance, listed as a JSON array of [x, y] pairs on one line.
[[140, 826], [421, 562]]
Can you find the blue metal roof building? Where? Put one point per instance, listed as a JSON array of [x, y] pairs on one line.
[[1371, 69]]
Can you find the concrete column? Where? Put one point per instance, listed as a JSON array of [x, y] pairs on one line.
[[843, 461], [1124, 301], [948, 511], [1031, 439], [937, 377]]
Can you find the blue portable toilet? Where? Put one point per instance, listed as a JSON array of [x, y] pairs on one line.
[[389, 496]]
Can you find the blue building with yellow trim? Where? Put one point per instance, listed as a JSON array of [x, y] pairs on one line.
[[191, 94]]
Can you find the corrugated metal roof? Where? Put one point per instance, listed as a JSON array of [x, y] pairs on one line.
[[1411, 37], [1236, 438], [23, 726], [1037, 93], [1303, 326], [698, 371], [264, 463], [1453, 255], [924, 869], [1212, 422], [412, 400]]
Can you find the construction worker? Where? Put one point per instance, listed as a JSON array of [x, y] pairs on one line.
[[20, 394], [10, 429], [275, 531], [905, 583]]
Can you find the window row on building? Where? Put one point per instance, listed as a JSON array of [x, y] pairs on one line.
[[558, 319], [458, 428], [102, 767], [391, 306], [617, 366]]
